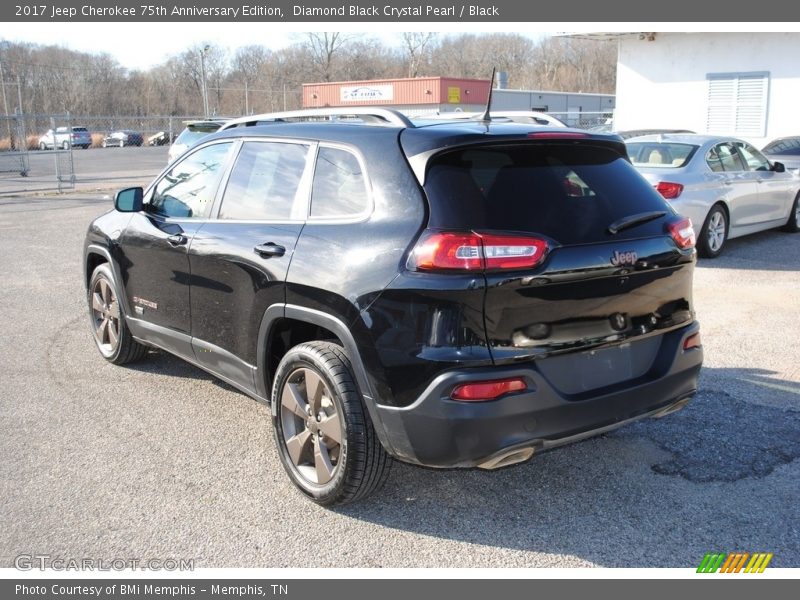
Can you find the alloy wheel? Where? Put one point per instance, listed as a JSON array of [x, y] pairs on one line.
[[312, 428], [105, 316], [716, 231]]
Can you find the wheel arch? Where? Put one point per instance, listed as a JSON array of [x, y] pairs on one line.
[[96, 255], [281, 313]]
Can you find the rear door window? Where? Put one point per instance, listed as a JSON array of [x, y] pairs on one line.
[[568, 192], [724, 157], [265, 183]]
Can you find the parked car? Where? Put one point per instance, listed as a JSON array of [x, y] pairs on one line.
[[64, 137], [191, 135], [124, 137], [460, 294], [631, 133], [785, 150], [161, 138], [726, 186]]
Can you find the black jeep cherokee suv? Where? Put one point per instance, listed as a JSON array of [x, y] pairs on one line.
[[448, 294]]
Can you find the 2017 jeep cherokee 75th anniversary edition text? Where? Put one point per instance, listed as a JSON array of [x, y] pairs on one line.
[[456, 294]]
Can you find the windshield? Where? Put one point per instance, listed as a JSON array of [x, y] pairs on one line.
[[189, 137]]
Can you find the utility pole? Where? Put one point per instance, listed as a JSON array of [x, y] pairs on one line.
[[205, 50]]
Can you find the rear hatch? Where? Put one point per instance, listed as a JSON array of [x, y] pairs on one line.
[[577, 250]]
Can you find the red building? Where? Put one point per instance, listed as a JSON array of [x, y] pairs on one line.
[[420, 95]]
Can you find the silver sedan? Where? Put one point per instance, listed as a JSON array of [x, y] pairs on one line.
[[724, 185]]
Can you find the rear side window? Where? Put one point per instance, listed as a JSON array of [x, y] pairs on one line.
[[568, 192], [339, 189], [264, 182]]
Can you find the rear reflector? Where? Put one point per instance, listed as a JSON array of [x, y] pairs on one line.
[[682, 232], [670, 191], [475, 251], [482, 391], [693, 341]]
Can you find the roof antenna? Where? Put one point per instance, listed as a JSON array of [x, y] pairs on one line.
[[486, 118]]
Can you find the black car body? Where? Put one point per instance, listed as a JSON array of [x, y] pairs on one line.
[[123, 137], [492, 290]]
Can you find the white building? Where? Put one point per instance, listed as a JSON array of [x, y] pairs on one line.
[[745, 85]]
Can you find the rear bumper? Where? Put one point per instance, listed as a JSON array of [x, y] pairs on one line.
[[436, 431]]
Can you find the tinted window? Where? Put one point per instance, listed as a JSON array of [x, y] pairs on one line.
[[339, 188], [188, 189], [264, 181], [661, 155], [569, 192]]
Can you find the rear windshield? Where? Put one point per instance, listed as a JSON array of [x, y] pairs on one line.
[[80, 129], [568, 192], [660, 155], [190, 136]]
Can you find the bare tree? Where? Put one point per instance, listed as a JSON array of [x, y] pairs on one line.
[[323, 47], [418, 45]]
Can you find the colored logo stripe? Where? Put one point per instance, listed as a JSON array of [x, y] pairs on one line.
[[734, 562]]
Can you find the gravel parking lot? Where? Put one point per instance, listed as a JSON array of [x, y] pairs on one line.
[[160, 460]]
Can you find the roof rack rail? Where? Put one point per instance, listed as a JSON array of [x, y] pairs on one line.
[[374, 115]]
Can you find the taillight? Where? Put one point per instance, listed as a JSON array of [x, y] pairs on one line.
[[693, 341], [670, 191], [483, 391], [475, 251], [682, 232]]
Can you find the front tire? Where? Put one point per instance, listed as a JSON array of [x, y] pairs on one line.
[[793, 224], [324, 436], [714, 233], [111, 333]]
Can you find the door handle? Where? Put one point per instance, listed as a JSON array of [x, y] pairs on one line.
[[269, 249], [176, 239]]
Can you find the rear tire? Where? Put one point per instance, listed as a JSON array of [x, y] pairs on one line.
[[324, 436], [111, 333], [42, 146], [714, 233], [65, 145], [793, 224]]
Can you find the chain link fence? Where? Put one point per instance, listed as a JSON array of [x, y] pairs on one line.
[[154, 130], [13, 145]]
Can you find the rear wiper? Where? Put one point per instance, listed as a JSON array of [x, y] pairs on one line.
[[633, 220]]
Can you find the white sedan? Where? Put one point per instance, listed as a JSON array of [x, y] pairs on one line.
[[724, 185]]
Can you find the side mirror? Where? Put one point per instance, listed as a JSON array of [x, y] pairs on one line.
[[778, 167], [129, 200]]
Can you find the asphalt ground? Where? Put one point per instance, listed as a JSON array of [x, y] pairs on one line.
[[159, 460]]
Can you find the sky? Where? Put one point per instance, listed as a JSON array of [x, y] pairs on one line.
[[143, 45]]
